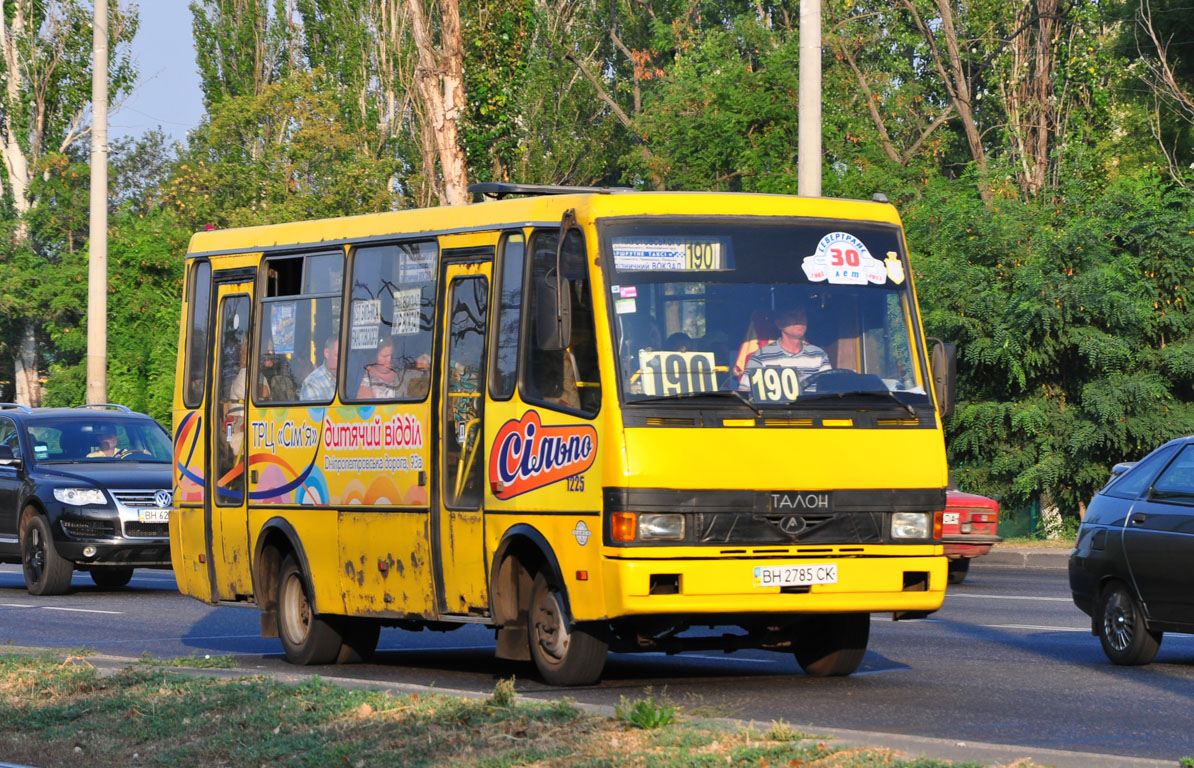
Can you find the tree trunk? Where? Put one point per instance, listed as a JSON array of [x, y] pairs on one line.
[[954, 78], [25, 365], [439, 82], [25, 358], [1050, 517], [1031, 113]]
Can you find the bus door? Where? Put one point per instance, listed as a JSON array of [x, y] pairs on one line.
[[458, 521], [226, 502]]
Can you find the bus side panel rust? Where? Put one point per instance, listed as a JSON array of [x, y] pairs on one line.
[[385, 563]]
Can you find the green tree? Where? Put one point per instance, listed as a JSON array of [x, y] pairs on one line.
[[45, 61], [1073, 324], [278, 156], [145, 247], [144, 300], [241, 47]]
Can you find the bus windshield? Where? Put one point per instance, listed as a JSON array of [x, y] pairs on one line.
[[776, 313]]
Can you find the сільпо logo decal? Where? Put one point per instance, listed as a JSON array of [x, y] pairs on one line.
[[527, 455]]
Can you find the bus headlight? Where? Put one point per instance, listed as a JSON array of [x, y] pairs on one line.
[[911, 525], [668, 527]]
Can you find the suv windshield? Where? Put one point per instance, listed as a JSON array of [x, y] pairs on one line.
[[776, 312], [74, 439]]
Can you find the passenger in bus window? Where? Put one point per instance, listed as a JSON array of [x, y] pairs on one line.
[[380, 381], [277, 382], [320, 384], [561, 387], [790, 350], [759, 334], [416, 379], [679, 342]]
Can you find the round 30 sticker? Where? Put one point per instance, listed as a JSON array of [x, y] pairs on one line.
[[841, 258]]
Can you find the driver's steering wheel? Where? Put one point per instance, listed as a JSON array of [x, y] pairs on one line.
[[810, 384]]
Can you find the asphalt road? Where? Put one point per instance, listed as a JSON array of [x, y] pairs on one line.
[[1008, 660]]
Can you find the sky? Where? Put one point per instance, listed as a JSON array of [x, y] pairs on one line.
[[167, 93]]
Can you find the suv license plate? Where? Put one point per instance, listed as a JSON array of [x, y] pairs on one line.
[[795, 575], [154, 515]]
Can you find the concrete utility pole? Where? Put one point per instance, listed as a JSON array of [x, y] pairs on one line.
[[808, 147], [97, 268]]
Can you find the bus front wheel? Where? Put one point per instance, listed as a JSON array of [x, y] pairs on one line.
[[307, 637], [564, 655], [832, 645]]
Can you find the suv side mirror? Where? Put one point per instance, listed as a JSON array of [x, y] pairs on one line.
[[944, 369], [7, 456]]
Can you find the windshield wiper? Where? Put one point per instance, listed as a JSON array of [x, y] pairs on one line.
[[714, 393], [884, 394]]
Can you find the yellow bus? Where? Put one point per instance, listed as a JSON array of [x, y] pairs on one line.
[[591, 419]]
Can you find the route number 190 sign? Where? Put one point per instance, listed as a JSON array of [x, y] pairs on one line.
[[676, 373]]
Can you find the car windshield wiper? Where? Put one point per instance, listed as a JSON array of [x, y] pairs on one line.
[[884, 394], [723, 393]]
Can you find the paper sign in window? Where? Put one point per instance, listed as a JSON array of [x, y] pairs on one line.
[[406, 311]]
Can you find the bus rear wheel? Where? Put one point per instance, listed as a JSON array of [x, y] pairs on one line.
[[832, 645], [359, 638], [563, 654], [307, 637]]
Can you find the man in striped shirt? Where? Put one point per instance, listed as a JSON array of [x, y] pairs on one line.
[[320, 384], [790, 350]]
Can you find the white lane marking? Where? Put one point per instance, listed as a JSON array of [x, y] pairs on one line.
[[80, 610], [1012, 597], [862, 672], [1038, 627], [219, 637], [16, 605], [1001, 626]]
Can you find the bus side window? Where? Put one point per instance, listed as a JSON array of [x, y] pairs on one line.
[[300, 313], [504, 369], [566, 379], [199, 307], [391, 322]]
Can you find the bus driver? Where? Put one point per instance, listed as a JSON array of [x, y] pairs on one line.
[[790, 350]]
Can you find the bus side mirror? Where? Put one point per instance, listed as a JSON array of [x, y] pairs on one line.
[[553, 300], [944, 365], [553, 313]]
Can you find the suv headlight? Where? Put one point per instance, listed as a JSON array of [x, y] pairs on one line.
[[80, 496], [912, 525]]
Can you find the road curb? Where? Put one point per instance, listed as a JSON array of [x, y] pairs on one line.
[[1025, 557]]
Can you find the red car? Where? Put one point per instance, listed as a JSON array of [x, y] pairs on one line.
[[968, 530]]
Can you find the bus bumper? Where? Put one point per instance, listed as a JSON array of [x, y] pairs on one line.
[[915, 585]]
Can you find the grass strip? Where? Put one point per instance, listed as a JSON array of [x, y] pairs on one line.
[[58, 710]]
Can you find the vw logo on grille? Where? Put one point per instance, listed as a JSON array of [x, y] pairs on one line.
[[163, 498], [792, 524]]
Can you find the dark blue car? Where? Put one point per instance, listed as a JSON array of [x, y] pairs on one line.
[[83, 488], [1132, 568]]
